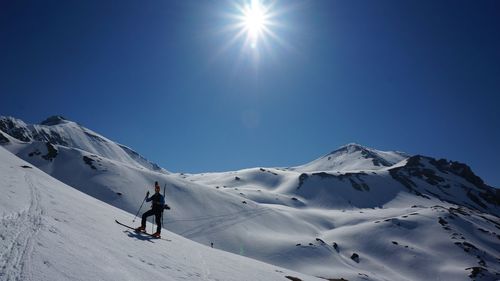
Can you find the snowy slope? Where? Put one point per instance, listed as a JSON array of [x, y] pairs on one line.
[[292, 216], [50, 231]]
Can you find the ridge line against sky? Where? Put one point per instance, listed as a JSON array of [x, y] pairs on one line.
[[181, 83]]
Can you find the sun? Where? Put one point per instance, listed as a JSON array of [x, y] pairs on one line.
[[254, 21], [254, 26]]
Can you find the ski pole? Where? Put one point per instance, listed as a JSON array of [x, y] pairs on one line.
[[144, 200], [164, 187]]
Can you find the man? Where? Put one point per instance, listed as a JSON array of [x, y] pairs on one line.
[[157, 207]]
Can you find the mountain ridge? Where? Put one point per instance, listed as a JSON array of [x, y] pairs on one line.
[[281, 215], [57, 130]]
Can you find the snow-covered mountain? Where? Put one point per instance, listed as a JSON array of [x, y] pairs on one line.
[[353, 157], [357, 213], [56, 130], [50, 231]]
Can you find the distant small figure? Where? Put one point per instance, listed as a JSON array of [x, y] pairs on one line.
[[211, 244]]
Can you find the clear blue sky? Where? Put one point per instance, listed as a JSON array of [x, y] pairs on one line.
[[160, 76]]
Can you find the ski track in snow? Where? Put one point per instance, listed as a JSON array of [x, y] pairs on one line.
[[21, 229], [219, 223]]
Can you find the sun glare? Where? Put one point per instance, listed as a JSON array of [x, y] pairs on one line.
[[255, 25], [254, 20]]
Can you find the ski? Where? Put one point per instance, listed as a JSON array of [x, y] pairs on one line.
[[142, 232]]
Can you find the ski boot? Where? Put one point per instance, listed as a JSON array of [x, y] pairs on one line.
[[156, 235], [140, 229]]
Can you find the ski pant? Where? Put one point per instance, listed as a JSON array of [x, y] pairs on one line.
[[157, 217]]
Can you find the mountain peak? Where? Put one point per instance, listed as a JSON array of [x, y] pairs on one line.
[[54, 120], [350, 147], [354, 157]]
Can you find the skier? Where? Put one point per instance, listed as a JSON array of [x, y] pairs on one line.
[[157, 207]]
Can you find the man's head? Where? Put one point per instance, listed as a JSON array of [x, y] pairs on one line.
[[157, 187]]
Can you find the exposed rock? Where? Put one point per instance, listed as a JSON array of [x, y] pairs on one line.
[[414, 168], [466, 246], [293, 278], [89, 161], [3, 139], [53, 120], [15, 128], [51, 152], [302, 179], [320, 240], [442, 221], [355, 257], [477, 271]]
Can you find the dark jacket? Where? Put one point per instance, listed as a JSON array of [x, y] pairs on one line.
[[158, 202]]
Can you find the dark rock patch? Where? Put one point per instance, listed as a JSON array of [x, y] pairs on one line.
[[324, 175], [483, 230], [466, 246], [3, 139], [293, 278], [36, 152], [476, 271], [302, 178], [475, 199], [414, 168], [50, 136], [53, 120], [89, 161], [458, 210], [10, 127], [355, 257], [320, 240], [51, 152], [264, 170], [496, 224], [26, 167], [442, 221], [481, 261]]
